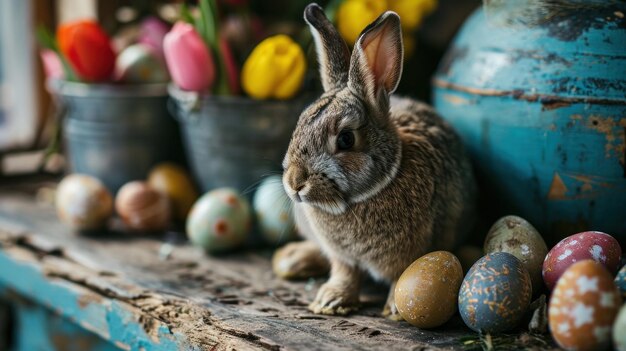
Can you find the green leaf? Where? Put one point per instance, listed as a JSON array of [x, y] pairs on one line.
[[48, 41], [209, 22], [185, 14]]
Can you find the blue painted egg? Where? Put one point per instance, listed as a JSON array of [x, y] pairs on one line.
[[220, 220], [273, 210], [541, 108], [620, 282], [495, 293]]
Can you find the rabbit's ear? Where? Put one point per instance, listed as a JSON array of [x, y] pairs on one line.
[[376, 64], [332, 52]]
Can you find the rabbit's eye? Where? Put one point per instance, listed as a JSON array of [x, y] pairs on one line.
[[345, 140]]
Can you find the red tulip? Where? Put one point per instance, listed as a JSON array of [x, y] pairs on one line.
[[189, 60], [230, 65], [88, 49]]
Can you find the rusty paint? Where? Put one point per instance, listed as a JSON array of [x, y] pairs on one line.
[[558, 190], [87, 299], [520, 95], [553, 105], [456, 100], [614, 132]]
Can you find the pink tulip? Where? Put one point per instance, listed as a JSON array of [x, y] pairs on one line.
[[188, 58], [52, 66], [151, 32]]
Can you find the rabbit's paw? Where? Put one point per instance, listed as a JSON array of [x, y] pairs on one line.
[[299, 260], [391, 311], [335, 300]]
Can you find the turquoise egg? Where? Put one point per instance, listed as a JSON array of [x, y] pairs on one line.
[[620, 282], [495, 293], [219, 221], [273, 210]]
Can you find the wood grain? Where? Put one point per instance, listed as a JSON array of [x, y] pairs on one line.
[[187, 299]]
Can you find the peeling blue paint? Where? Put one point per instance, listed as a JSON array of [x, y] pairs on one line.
[[109, 319], [544, 118]]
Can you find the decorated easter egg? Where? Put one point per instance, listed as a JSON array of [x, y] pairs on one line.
[[619, 330], [175, 182], [426, 293], [516, 236], [583, 306], [273, 211], [139, 63], [620, 282], [83, 202], [142, 208], [598, 246], [220, 220], [495, 293]]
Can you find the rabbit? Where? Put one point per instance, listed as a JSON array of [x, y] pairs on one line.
[[376, 181]]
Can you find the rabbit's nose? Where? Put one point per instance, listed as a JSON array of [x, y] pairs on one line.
[[297, 178]]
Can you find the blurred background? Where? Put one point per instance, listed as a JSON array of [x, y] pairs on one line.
[[27, 112]]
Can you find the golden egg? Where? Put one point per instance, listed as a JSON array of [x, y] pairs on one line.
[[426, 293], [142, 208], [175, 182], [83, 202]]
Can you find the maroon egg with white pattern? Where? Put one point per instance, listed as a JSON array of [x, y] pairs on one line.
[[597, 246]]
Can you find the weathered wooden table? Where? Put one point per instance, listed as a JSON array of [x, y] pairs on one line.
[[111, 290]]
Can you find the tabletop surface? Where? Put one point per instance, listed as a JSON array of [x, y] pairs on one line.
[[123, 288]]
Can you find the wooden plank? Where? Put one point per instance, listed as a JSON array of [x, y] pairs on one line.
[[118, 286]]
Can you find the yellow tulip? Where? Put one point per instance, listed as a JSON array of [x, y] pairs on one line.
[[274, 70], [412, 12], [354, 15]]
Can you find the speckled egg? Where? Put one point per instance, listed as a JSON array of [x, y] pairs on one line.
[[426, 293], [220, 220], [142, 208], [516, 236], [619, 330], [138, 63], [620, 282], [175, 182], [273, 211], [495, 293], [598, 246], [83, 202], [583, 306]]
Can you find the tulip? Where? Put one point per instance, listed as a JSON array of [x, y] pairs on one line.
[[274, 69], [52, 65], [354, 15], [88, 49], [412, 12], [151, 32], [188, 58], [230, 67]]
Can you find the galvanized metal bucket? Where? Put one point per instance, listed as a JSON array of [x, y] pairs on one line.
[[234, 141], [117, 133]]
